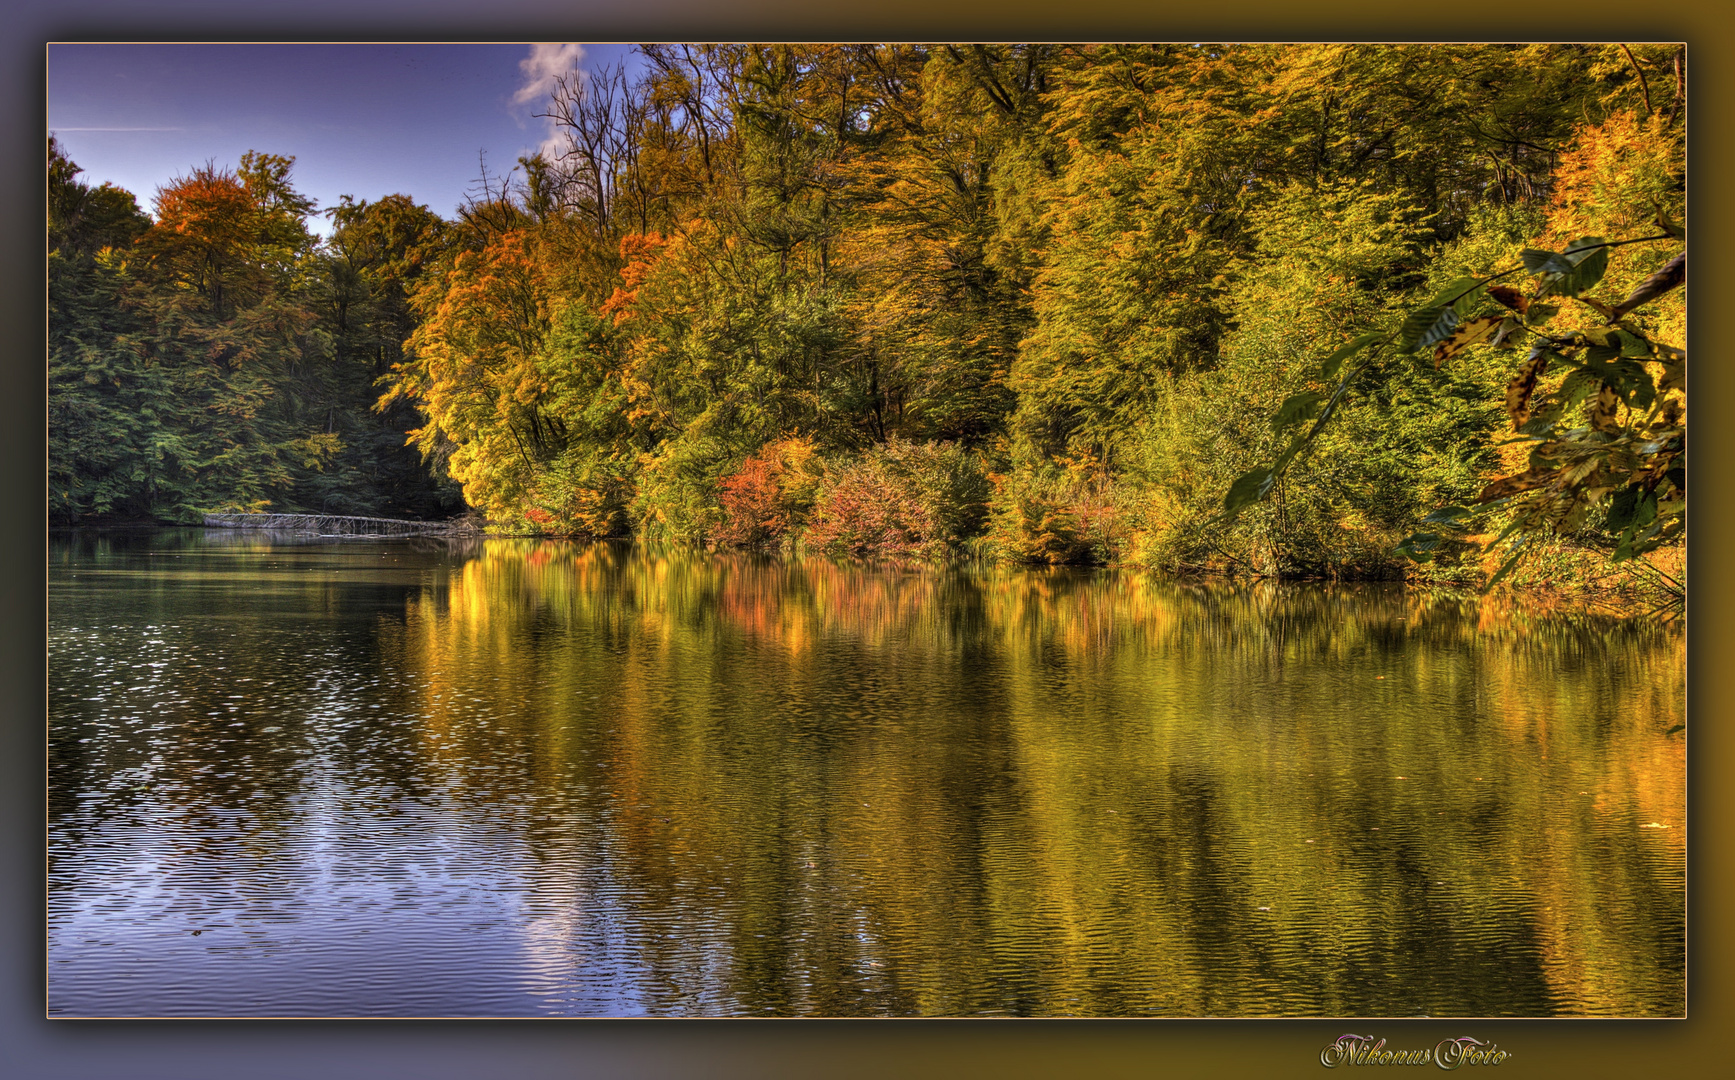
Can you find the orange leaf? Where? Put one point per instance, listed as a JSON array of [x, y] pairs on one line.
[[1510, 297]]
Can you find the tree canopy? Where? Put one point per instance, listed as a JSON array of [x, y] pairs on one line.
[[1059, 303]]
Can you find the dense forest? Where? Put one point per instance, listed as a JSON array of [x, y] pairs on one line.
[[1043, 303]]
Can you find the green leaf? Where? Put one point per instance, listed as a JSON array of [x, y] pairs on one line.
[[1540, 313], [1569, 272], [1425, 326], [1541, 424], [1329, 367], [1629, 378], [1448, 515], [1620, 508], [1249, 488], [1544, 262], [1579, 383], [1297, 408], [1624, 549], [1461, 295], [1419, 547], [1634, 344], [1587, 273]]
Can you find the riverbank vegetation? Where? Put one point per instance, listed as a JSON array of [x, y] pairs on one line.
[[1044, 303]]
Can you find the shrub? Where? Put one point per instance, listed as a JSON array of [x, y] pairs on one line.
[[752, 502], [900, 498], [865, 510], [676, 495], [948, 481], [580, 496], [1048, 517], [770, 495]]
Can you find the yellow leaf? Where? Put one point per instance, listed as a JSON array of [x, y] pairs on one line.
[[1465, 336], [1518, 391]]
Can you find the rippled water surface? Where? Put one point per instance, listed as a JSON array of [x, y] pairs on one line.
[[513, 778]]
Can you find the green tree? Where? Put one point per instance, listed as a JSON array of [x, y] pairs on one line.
[[373, 262], [210, 359]]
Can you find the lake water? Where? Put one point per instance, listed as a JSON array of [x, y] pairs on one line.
[[518, 778]]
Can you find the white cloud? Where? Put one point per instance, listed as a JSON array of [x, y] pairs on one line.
[[546, 63]]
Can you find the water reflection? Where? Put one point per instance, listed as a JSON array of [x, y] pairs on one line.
[[425, 777]]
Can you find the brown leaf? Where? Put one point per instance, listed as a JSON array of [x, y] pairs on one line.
[[1465, 336], [1668, 353], [1512, 485], [1512, 298], [1671, 276], [1518, 391], [1602, 410]]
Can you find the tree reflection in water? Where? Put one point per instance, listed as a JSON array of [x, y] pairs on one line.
[[683, 783]]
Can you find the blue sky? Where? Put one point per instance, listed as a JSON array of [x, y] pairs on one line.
[[362, 120]]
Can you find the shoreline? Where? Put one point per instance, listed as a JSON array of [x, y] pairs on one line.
[[1589, 584]]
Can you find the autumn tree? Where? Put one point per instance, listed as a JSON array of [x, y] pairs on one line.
[[1093, 286], [1596, 405]]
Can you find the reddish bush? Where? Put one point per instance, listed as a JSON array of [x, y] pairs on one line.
[[753, 511], [865, 512]]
